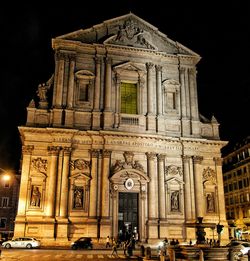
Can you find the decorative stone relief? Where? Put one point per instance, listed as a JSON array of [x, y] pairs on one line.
[[39, 164], [173, 170], [209, 174], [80, 164], [129, 33], [129, 163]]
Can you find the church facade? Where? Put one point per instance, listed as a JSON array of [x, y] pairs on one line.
[[115, 142]]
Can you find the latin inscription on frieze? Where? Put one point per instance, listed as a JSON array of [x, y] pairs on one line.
[[154, 145]]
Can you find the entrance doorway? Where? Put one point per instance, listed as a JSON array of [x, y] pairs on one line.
[[128, 215]]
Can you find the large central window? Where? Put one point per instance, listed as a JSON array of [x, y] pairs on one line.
[[128, 98]]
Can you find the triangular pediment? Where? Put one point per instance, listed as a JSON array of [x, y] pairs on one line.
[[128, 31], [127, 66]]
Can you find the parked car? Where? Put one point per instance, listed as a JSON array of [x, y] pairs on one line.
[[243, 246], [82, 243], [22, 242]]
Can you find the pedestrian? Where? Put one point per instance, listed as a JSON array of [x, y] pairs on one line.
[[114, 250], [124, 246], [107, 242]]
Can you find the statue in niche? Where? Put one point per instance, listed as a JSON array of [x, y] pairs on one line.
[[175, 201], [210, 202], [78, 198], [42, 92], [35, 197]]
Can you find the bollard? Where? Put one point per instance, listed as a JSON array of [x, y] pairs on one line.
[[148, 253], [142, 250]]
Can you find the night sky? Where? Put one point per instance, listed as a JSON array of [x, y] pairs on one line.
[[219, 34]]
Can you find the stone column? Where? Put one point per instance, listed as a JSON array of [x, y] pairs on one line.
[[192, 190], [159, 89], [65, 182], [108, 114], [194, 103], [23, 197], [117, 100], [105, 198], [187, 192], [142, 215], [198, 186], [71, 82], [114, 196], [97, 84], [220, 188], [59, 181], [151, 117], [152, 197], [93, 184], [187, 92], [183, 93], [150, 94], [59, 81], [161, 187], [108, 82], [50, 206], [105, 183], [193, 94]]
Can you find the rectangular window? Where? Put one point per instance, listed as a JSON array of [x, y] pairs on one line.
[[83, 92], [5, 202], [129, 98], [3, 222]]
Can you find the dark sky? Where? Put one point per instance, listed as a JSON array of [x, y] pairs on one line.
[[219, 34]]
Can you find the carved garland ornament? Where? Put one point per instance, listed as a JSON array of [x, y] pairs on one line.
[[40, 165], [173, 170], [80, 164], [209, 174]]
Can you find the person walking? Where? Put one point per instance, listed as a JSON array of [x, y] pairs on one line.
[[108, 242], [114, 249]]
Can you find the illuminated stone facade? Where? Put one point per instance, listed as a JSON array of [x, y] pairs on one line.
[[87, 158]]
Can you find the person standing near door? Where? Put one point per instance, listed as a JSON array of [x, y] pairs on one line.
[[108, 242]]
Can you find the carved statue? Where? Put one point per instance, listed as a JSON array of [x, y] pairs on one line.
[[175, 201], [78, 198], [42, 92], [35, 197], [210, 202]]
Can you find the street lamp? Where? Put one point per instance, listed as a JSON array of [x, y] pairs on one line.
[[6, 175]]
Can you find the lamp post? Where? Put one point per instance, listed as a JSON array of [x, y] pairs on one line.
[[6, 175]]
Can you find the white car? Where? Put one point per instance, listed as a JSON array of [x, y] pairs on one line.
[[22, 242], [243, 246]]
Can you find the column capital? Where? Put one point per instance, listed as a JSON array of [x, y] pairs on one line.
[[98, 59], [186, 158], [158, 68], [60, 56], [182, 69], [149, 66], [94, 153], [151, 155], [54, 150], [197, 159], [106, 153], [161, 157], [218, 161], [67, 151], [27, 149], [108, 60]]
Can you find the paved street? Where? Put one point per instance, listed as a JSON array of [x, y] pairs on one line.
[[65, 255]]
